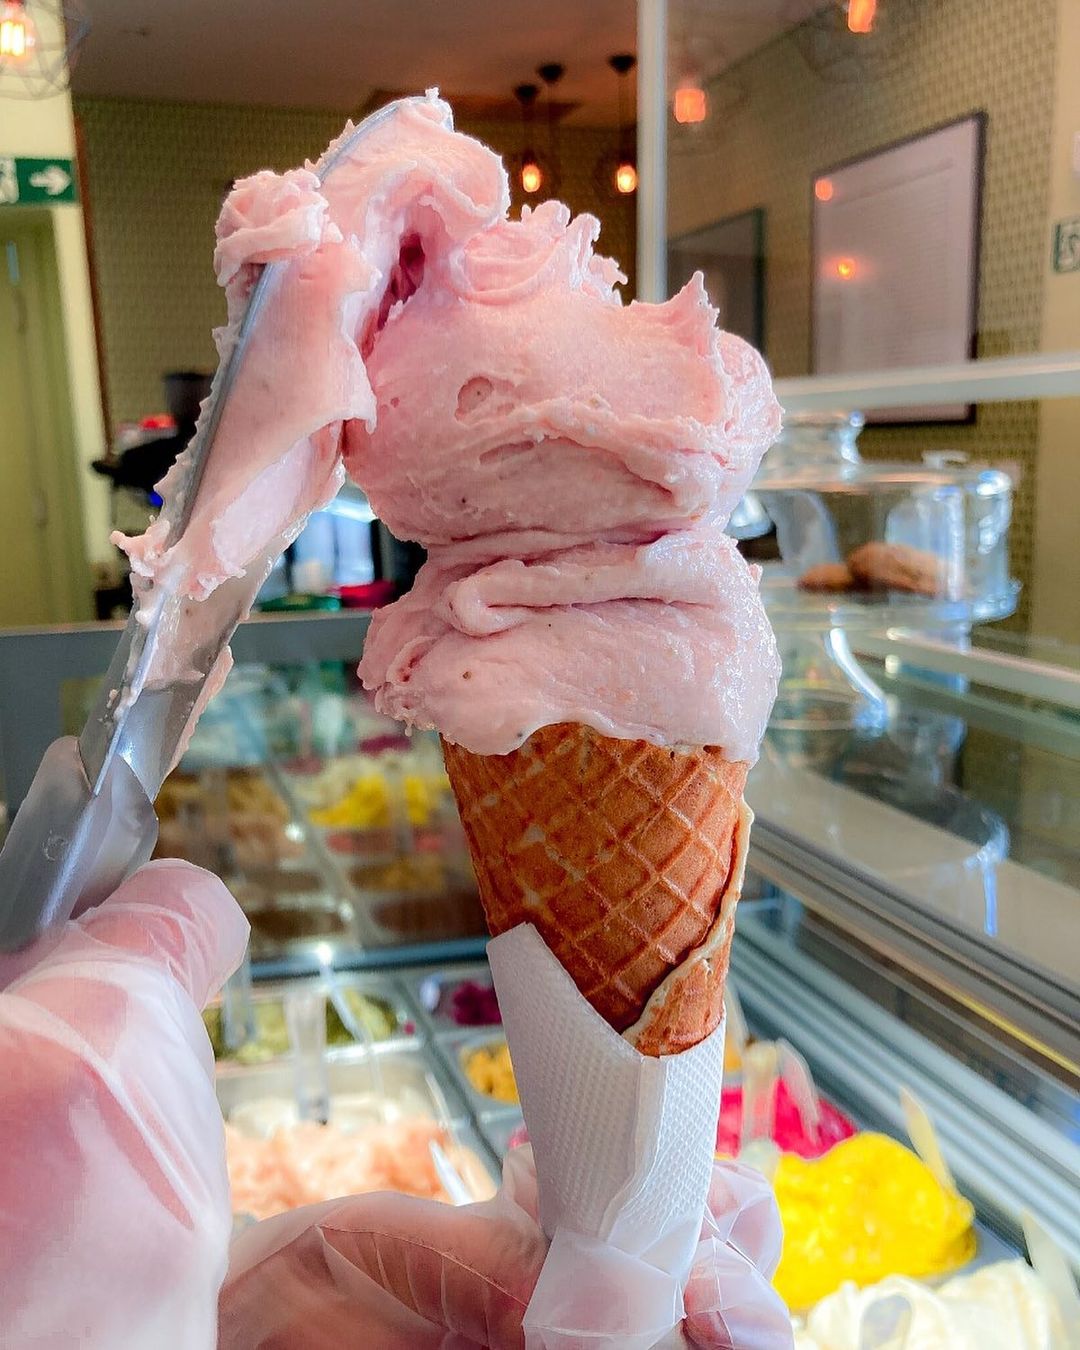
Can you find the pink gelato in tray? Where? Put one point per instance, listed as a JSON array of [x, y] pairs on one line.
[[461, 1002], [790, 1132]]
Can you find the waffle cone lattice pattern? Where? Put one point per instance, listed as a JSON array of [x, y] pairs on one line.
[[618, 851]]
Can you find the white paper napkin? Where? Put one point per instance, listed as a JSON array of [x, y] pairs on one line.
[[624, 1148]]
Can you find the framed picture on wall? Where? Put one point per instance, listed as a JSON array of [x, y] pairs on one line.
[[731, 255], [895, 257]]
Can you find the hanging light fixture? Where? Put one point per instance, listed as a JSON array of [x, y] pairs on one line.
[[530, 174], [551, 73], [861, 15], [626, 177], [710, 90], [691, 103], [39, 45], [18, 36], [857, 41]]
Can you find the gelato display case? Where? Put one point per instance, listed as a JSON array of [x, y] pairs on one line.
[[907, 948]]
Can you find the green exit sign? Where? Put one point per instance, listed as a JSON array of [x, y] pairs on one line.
[[36, 182]]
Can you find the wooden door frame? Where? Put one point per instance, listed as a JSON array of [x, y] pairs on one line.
[[49, 395]]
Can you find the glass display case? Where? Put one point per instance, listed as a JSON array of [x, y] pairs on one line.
[[336, 830], [911, 921]]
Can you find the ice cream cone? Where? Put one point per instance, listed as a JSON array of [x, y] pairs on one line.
[[628, 859]]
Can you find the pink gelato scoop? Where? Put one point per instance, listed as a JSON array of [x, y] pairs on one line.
[[790, 1133], [546, 404], [664, 641], [569, 461]]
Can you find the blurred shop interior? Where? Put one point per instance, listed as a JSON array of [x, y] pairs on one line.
[[883, 196]]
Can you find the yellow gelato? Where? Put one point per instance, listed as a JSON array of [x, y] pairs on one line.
[[489, 1071], [365, 803], [867, 1209], [732, 1057]]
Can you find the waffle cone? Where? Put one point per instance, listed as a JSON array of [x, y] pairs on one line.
[[628, 859]]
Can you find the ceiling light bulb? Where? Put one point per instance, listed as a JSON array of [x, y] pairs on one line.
[[17, 35], [845, 269], [691, 104], [626, 178], [531, 176], [823, 190], [861, 15]]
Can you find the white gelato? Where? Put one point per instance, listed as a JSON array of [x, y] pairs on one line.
[[1000, 1307]]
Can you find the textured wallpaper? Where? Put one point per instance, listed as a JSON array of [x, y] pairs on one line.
[[780, 122], [157, 174]]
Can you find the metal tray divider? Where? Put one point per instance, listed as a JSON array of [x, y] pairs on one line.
[[337, 882], [443, 1043]]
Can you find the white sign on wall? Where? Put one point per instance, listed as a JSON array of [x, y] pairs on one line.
[[895, 260]]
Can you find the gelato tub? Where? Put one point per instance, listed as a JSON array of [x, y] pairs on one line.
[[376, 1005], [481, 1066], [462, 996], [392, 1081]]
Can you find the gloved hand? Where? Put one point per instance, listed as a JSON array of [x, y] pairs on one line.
[[114, 1204], [406, 1274], [114, 1198]]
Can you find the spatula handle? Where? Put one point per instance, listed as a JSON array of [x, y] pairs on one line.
[[68, 848]]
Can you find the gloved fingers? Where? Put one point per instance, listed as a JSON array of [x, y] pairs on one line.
[[417, 1272], [591, 1293], [114, 1170], [122, 986], [730, 1304], [467, 1269], [171, 915], [176, 917], [519, 1184], [13, 965], [742, 1212]]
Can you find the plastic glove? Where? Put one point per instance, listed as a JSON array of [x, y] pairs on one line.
[[405, 1274], [114, 1199], [730, 1301]]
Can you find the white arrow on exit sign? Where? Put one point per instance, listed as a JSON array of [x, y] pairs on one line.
[[53, 179]]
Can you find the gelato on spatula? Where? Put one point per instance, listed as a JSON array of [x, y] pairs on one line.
[[407, 199]]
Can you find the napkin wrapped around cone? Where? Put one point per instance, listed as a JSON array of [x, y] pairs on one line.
[[628, 859], [609, 872]]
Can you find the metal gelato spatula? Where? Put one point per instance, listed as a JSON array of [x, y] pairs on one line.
[[88, 820]]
